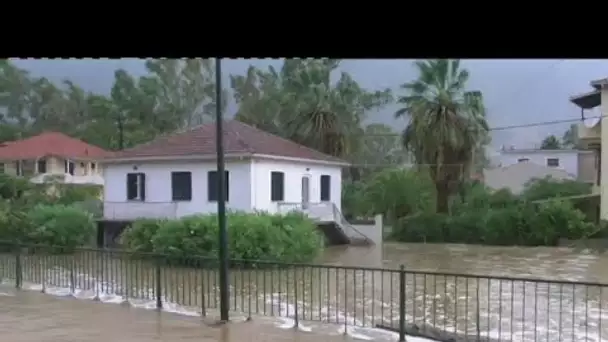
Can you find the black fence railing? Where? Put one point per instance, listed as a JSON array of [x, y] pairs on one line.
[[435, 305]]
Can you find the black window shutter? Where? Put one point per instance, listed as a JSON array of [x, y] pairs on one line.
[[142, 186], [212, 186], [181, 186], [277, 186], [226, 180], [131, 186], [325, 188]]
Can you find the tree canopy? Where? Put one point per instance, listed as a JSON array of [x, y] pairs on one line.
[[447, 124], [310, 101]]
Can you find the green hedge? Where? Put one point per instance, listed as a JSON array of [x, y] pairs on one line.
[[522, 223], [260, 236], [66, 227]]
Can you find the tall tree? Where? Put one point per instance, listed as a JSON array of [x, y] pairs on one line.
[[302, 103], [570, 137], [446, 124], [380, 147], [551, 143]]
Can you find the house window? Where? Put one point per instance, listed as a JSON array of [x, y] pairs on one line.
[[325, 188], [28, 168], [69, 167], [136, 186], [18, 168], [93, 166], [41, 165], [277, 186], [181, 186], [212, 185], [521, 160], [2, 167], [553, 162]]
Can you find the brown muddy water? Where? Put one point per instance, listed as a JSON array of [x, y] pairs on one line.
[[338, 298]]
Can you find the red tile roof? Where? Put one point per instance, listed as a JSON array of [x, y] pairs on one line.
[[239, 138], [49, 144]]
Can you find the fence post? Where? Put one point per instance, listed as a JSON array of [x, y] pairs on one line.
[[203, 297], [72, 277], [158, 287], [18, 275], [402, 303], [295, 286]]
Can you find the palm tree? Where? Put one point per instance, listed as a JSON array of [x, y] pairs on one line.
[[446, 124], [303, 102]]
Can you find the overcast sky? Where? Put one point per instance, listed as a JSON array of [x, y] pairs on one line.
[[515, 91]]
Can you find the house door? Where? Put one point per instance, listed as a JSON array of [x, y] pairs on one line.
[[305, 192]]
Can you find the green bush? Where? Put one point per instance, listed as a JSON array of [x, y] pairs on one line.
[[545, 188], [422, 227], [15, 226], [260, 236], [138, 236], [557, 219], [398, 193], [523, 223], [60, 225]]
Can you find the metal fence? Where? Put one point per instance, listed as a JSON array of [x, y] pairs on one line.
[[434, 305]]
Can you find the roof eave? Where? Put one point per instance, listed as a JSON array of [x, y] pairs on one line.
[[336, 162], [52, 155], [598, 84], [198, 157], [588, 100]]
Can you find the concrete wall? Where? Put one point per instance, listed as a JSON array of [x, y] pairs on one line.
[[604, 155]]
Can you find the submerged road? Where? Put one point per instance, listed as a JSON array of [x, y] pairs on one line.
[[28, 316]]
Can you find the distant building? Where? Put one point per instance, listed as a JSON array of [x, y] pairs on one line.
[[580, 165], [515, 176], [52, 156]]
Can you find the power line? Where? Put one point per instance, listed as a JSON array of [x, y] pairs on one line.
[[504, 128]]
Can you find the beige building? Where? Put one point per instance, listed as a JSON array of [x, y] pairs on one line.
[[52, 156], [593, 135]]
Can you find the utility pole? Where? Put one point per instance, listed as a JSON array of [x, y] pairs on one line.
[[221, 196]]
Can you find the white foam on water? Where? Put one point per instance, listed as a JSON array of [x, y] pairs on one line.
[[87, 287], [98, 290]]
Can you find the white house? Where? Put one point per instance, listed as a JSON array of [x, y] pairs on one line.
[[174, 176], [573, 162]]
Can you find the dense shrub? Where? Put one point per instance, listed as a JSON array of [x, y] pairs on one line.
[[14, 223], [138, 236], [545, 188], [398, 193], [60, 225], [523, 223], [261, 236]]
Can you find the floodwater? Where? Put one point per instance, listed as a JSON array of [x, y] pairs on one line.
[[337, 298], [36, 317]]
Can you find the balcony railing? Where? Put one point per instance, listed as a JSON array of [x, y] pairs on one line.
[[586, 133], [134, 210], [67, 178]]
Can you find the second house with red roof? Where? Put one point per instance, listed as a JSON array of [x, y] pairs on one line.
[[52, 156]]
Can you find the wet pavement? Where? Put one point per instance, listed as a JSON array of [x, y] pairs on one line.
[[27, 316]]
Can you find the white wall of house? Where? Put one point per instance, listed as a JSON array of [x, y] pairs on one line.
[[568, 159], [294, 172], [249, 186], [158, 200]]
